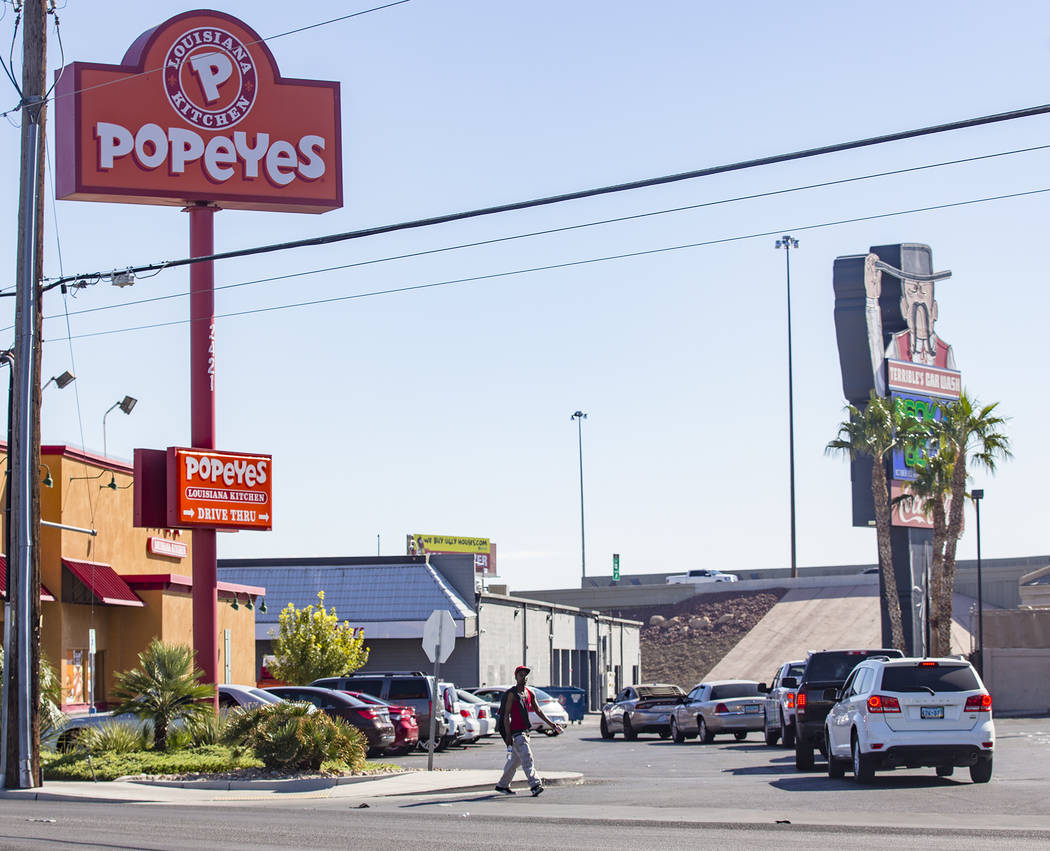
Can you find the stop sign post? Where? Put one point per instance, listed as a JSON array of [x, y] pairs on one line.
[[439, 637]]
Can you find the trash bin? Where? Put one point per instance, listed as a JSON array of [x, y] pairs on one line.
[[573, 699]]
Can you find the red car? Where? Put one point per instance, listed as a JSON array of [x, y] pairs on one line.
[[406, 730]]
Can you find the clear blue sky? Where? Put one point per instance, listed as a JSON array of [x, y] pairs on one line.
[[446, 410]]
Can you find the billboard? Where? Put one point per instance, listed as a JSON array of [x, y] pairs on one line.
[[198, 111], [420, 544], [219, 490]]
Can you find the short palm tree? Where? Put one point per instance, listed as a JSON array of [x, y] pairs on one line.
[[164, 687], [974, 436], [875, 432]]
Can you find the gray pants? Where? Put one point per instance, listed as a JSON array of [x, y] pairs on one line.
[[519, 753]]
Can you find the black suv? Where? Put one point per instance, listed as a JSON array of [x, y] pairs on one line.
[[825, 669], [403, 688]]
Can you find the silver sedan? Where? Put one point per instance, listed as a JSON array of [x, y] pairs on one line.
[[719, 706]]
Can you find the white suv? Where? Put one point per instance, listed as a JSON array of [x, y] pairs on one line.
[[910, 713]]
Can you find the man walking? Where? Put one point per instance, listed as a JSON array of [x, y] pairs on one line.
[[515, 727]]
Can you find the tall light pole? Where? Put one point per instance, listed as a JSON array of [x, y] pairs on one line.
[[580, 416], [787, 242], [977, 496]]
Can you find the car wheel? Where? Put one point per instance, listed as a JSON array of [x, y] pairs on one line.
[[676, 732], [706, 736], [772, 734], [628, 730], [606, 732], [862, 768], [836, 767], [803, 756], [981, 771], [945, 770], [665, 732], [740, 736], [789, 732]]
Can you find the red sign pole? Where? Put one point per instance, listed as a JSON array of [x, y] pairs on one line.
[[202, 429]]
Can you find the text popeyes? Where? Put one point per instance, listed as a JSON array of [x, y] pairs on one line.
[[240, 471], [151, 147]]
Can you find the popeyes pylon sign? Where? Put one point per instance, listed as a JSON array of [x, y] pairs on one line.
[[198, 111]]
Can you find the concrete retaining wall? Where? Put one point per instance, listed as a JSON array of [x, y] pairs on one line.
[[1018, 679]]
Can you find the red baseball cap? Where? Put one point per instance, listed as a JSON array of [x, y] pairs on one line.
[[524, 668]]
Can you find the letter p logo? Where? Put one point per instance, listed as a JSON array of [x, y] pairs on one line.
[[212, 70]]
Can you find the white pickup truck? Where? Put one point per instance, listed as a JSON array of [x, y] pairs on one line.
[[697, 576]]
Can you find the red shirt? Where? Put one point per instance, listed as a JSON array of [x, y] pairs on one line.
[[519, 711]]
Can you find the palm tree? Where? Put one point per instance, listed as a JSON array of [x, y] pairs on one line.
[[164, 687], [875, 432], [973, 435], [930, 489]]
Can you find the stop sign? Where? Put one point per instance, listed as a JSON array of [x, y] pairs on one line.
[[439, 630]]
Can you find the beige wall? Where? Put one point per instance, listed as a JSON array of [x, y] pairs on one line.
[[1018, 679]]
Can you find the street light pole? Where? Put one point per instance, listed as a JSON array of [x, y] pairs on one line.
[[977, 496], [580, 416], [787, 242]]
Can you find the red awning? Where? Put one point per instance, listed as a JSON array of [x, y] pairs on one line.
[[45, 595], [104, 582]]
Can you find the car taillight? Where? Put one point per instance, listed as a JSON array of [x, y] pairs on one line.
[[448, 703], [368, 713], [883, 703], [482, 713], [791, 700], [720, 709], [927, 664], [800, 700], [465, 713], [979, 703]]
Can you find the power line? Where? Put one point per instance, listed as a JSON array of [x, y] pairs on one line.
[[548, 231], [580, 194], [572, 263]]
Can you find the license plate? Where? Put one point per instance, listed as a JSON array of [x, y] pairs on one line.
[[752, 709], [931, 711]]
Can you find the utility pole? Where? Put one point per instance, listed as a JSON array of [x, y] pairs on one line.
[[21, 724]]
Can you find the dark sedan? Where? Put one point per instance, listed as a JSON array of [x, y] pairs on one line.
[[372, 720]]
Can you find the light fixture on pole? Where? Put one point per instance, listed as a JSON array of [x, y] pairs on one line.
[[787, 242], [977, 496], [63, 380], [580, 416], [126, 405]]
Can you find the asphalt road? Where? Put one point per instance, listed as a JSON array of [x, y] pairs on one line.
[[738, 795]]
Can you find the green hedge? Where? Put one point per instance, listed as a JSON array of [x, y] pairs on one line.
[[210, 759]]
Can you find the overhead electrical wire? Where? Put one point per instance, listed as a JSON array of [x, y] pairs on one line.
[[549, 231], [570, 264], [575, 196]]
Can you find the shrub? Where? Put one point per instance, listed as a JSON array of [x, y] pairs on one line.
[[109, 766], [290, 737], [113, 737]]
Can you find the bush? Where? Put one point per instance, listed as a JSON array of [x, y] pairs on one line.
[[113, 737], [109, 766], [203, 730], [289, 737]]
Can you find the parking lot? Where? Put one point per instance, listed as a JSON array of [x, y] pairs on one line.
[[729, 777]]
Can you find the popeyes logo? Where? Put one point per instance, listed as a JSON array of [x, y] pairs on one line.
[[219, 489], [198, 111]]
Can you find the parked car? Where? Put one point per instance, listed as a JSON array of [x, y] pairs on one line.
[[551, 707], [698, 576], [779, 709], [911, 713], [405, 688], [482, 710], [373, 721], [406, 729], [244, 697], [644, 708], [719, 706], [461, 716], [825, 669]]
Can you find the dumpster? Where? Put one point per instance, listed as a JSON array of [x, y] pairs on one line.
[[573, 699]]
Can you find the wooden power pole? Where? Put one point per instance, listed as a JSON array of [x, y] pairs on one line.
[[21, 718]]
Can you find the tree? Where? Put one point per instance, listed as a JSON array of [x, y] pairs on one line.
[[972, 434], [311, 643], [165, 687], [875, 432]]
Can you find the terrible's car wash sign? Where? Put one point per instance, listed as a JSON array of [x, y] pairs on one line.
[[198, 111], [219, 490]]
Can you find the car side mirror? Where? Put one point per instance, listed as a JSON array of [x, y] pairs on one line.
[[832, 694], [763, 688], [789, 682]]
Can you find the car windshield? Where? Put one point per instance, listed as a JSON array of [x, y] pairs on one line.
[[541, 694], [467, 697], [659, 691], [264, 695], [929, 677], [728, 690], [835, 667], [796, 670]]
